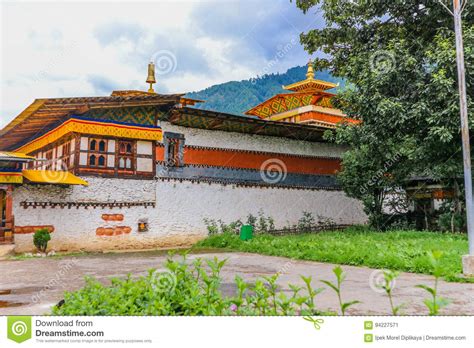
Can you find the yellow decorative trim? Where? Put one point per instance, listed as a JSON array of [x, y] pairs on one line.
[[53, 177], [15, 156], [74, 125], [11, 178], [286, 114], [310, 85]]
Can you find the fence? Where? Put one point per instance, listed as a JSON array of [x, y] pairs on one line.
[[305, 230]]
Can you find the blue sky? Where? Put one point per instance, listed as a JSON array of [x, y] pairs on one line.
[[60, 49]]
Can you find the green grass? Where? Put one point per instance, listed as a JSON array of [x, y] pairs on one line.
[[396, 250]]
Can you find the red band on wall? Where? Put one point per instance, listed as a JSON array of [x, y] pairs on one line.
[[255, 160]]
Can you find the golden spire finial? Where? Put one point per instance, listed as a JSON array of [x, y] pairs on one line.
[[151, 77], [310, 73]]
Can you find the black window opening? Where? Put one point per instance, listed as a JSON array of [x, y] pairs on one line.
[[174, 149]]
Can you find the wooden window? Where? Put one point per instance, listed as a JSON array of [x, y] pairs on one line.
[[125, 155], [101, 161], [174, 148], [102, 146], [49, 159], [66, 156], [95, 156], [92, 160]]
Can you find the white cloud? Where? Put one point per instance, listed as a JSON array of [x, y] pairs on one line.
[[56, 49]]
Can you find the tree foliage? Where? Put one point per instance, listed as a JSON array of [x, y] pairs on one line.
[[400, 64]]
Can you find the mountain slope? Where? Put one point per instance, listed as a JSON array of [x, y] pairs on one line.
[[236, 97]]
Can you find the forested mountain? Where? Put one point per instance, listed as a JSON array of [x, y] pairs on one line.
[[238, 96]]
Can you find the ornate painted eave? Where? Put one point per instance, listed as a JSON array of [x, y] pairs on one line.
[[288, 101], [43, 114], [94, 127], [212, 120]]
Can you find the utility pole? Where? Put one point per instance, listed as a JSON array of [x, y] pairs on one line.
[[458, 7]]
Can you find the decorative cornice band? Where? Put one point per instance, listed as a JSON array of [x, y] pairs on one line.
[[77, 205], [87, 126], [249, 184]]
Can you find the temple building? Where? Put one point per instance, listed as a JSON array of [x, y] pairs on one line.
[[307, 103], [143, 170]]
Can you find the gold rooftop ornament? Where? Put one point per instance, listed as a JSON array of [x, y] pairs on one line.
[[310, 73], [151, 77]]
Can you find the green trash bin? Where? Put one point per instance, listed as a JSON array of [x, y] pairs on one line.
[[246, 232]]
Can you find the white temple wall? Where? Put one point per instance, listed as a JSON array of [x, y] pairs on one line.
[[175, 221], [251, 142]]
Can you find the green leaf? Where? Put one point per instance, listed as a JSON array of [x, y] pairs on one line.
[[331, 285]]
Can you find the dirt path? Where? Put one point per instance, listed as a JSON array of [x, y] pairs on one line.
[[32, 286]]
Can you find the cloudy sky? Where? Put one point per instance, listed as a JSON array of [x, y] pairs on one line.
[[58, 49]]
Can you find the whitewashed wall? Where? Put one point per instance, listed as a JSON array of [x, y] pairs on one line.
[[241, 141], [177, 219]]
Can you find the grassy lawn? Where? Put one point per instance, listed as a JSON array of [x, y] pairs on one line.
[[395, 250]]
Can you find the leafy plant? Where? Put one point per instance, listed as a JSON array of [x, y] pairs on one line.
[[212, 227], [435, 302], [41, 239], [306, 222], [185, 289], [388, 285], [311, 292], [340, 277], [251, 220]]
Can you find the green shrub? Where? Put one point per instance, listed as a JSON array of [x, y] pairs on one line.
[[452, 222], [41, 239], [186, 289]]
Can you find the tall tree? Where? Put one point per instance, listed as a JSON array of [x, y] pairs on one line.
[[399, 59]]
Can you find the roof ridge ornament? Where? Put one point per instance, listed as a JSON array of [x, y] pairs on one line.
[[310, 72], [151, 77], [310, 84]]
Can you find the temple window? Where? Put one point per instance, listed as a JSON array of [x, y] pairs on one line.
[[102, 146], [92, 160], [95, 157], [101, 161], [66, 155], [49, 159], [174, 148], [125, 155]]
